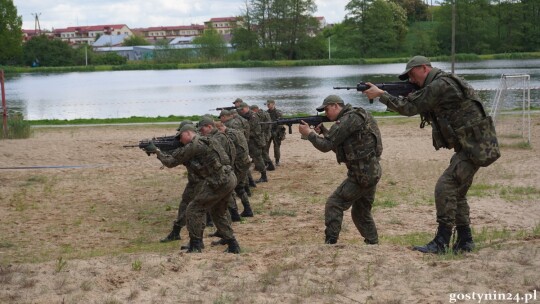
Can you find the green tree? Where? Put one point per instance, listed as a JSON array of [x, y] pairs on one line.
[[48, 52], [135, 40], [10, 33], [211, 45], [417, 10]]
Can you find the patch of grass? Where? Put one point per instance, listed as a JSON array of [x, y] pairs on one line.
[[519, 193], [386, 203], [481, 190], [6, 244], [17, 128], [60, 264], [281, 212], [86, 286], [523, 145], [136, 265], [223, 299]]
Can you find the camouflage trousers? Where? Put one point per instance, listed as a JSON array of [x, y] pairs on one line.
[[214, 200], [451, 191], [277, 144], [256, 154], [187, 196], [361, 199]]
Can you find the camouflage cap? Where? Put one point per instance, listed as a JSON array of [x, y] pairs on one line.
[[224, 113], [183, 123], [253, 107], [238, 100], [243, 105], [184, 128], [270, 101], [205, 121], [414, 62], [331, 99]]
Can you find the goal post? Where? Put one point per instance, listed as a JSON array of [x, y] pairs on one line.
[[511, 110]]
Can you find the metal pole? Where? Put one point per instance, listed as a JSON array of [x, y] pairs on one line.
[[453, 34], [4, 106]]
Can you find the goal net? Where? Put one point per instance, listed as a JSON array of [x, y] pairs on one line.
[[511, 110]]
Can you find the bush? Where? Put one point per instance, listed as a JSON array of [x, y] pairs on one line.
[[110, 58], [17, 128]]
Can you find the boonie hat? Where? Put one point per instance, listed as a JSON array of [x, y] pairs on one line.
[[205, 121], [331, 99], [183, 123], [187, 127], [414, 62]]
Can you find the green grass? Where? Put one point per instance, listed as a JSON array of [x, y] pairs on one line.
[[17, 128]]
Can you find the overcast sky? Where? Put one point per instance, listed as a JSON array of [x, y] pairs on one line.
[[144, 13]]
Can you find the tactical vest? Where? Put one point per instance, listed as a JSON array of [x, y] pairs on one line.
[[364, 143], [211, 160]]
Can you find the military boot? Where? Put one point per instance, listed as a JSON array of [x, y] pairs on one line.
[[251, 182], [439, 244], [219, 242], [216, 234], [277, 162], [235, 217], [233, 246], [464, 241], [209, 222], [174, 235], [270, 166], [247, 207], [195, 245], [263, 179], [330, 240]]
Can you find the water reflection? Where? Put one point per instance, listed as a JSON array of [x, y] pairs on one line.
[[195, 92]]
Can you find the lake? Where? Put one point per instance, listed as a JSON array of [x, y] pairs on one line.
[[116, 94]]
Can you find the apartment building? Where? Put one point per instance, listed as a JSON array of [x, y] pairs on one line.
[[169, 32], [89, 34]]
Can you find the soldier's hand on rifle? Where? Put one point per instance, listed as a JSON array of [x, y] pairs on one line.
[[320, 129], [151, 148], [373, 91], [304, 129]]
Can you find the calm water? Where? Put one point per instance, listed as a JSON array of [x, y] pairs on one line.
[[196, 92]]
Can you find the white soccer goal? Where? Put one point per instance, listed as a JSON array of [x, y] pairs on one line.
[[511, 109]]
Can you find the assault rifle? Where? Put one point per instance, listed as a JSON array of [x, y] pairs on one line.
[[165, 143], [224, 108], [399, 88], [313, 121]]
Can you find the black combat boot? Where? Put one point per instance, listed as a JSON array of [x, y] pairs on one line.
[[216, 234], [440, 243], [235, 217], [195, 245], [251, 182], [209, 222], [263, 179], [174, 235], [219, 242], [464, 241], [247, 207], [270, 166], [277, 162], [330, 240], [233, 246]]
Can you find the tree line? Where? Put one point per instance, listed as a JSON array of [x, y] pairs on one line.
[[288, 29]]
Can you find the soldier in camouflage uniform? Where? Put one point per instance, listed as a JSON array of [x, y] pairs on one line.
[[277, 132], [207, 128], [211, 164], [187, 196], [459, 122], [241, 165], [267, 132], [255, 141], [356, 140]]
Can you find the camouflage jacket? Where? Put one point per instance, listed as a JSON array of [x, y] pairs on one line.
[[241, 146], [265, 128], [356, 140], [256, 134], [204, 157], [446, 102], [226, 143], [239, 123]]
